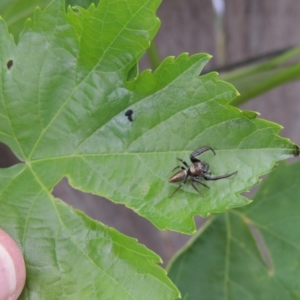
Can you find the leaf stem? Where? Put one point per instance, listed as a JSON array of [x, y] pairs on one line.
[[260, 78]]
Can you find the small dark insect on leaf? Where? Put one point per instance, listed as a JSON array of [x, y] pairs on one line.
[[9, 64], [196, 171], [128, 114]]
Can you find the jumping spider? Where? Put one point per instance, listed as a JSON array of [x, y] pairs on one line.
[[195, 171]]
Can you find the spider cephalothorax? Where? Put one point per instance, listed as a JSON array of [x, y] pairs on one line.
[[195, 171]]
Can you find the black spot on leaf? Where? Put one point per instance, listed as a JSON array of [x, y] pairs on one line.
[[9, 64], [128, 114]]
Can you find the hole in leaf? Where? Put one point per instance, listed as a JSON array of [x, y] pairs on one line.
[[9, 64], [128, 114], [7, 157]]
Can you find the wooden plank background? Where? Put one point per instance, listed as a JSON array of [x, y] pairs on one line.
[[251, 28]]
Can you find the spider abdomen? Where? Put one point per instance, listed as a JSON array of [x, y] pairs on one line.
[[178, 176]]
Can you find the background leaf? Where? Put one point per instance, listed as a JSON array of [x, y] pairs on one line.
[[248, 253]]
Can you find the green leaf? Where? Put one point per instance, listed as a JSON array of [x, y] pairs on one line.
[[248, 253], [68, 255], [64, 97], [16, 12]]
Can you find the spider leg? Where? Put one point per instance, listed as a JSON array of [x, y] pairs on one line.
[[192, 183], [184, 162], [180, 185], [182, 168], [207, 177], [200, 151], [199, 181], [206, 166]]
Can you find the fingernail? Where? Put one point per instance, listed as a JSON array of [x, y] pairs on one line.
[[8, 279], [12, 268]]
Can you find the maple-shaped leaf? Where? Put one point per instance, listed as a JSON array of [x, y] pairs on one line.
[[68, 108]]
